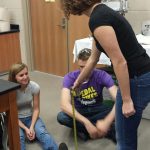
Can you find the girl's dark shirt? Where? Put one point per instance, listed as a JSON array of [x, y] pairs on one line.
[[137, 59]]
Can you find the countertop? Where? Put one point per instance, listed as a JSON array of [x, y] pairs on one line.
[[13, 28], [7, 86]]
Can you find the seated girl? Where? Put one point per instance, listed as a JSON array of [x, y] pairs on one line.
[[28, 102]]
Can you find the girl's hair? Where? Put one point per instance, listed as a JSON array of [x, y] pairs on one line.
[[14, 70], [76, 7], [84, 54]]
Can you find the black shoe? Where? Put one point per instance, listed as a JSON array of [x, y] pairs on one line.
[[83, 136], [111, 135], [63, 146]]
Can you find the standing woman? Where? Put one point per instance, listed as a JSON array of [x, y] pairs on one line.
[[114, 36], [28, 103]]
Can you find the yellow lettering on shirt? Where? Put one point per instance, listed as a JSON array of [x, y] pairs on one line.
[[89, 93]]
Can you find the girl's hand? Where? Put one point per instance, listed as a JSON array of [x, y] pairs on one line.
[[30, 133], [27, 131]]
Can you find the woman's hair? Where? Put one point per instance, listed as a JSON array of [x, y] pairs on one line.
[[84, 54], [14, 70], [76, 7]]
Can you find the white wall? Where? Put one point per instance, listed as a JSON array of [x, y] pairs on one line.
[[138, 12]]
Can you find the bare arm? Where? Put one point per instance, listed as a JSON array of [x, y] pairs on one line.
[[21, 125], [107, 38], [30, 135], [66, 106], [113, 92], [36, 109], [91, 63], [104, 124], [111, 116]]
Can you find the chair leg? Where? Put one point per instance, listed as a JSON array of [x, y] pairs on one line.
[[5, 138], [4, 135]]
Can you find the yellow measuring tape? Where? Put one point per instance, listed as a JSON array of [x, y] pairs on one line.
[[74, 121]]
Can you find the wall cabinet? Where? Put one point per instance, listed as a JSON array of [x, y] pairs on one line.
[[9, 50]]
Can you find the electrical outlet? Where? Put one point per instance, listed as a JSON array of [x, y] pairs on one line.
[[146, 28]]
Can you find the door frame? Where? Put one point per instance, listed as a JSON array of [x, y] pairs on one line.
[[28, 34]]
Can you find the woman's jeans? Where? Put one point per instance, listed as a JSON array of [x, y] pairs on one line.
[[46, 140], [92, 113], [126, 128]]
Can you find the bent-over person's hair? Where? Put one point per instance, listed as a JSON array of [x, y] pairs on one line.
[[76, 7]]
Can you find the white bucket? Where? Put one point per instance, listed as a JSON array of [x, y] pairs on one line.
[[4, 26], [4, 14]]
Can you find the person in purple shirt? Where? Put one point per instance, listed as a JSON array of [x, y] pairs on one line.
[[94, 119]]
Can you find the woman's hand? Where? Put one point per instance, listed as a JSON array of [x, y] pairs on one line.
[[128, 108]]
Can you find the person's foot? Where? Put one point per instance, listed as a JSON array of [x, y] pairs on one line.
[[83, 136], [62, 146]]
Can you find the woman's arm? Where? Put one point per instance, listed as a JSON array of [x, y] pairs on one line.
[[91, 63], [107, 38]]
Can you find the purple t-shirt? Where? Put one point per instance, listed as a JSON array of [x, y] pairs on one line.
[[90, 93]]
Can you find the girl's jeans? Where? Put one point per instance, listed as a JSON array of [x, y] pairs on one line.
[[126, 128], [46, 140]]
